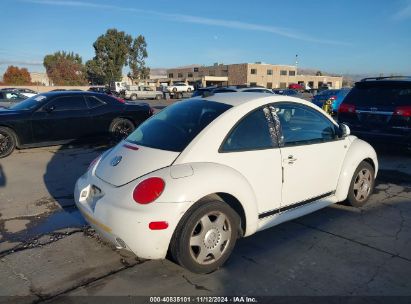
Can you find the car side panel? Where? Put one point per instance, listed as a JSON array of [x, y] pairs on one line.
[[21, 125], [210, 178], [358, 151]]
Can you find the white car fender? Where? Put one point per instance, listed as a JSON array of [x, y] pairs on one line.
[[207, 179], [358, 151]]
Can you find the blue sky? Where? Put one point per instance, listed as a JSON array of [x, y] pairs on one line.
[[346, 36]]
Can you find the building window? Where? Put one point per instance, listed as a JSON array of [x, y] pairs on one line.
[[195, 69], [291, 73], [283, 85], [283, 73], [190, 75], [269, 85], [269, 72], [253, 84], [180, 75], [170, 75], [253, 71]]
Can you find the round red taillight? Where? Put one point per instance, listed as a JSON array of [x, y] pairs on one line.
[[148, 190]]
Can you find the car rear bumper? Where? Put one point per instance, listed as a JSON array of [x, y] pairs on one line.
[[127, 226], [384, 137]]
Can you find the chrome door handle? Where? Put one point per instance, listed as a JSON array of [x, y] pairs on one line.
[[291, 159]]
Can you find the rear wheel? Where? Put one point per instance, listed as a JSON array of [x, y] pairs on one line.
[[120, 128], [362, 185], [8, 141], [174, 90], [158, 97], [189, 90], [133, 97], [205, 237]]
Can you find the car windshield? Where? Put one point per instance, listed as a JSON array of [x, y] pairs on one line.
[[176, 126], [380, 94], [29, 103]]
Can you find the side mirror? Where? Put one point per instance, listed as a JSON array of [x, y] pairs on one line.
[[345, 130], [49, 109]]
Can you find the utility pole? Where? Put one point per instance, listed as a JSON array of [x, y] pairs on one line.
[[296, 63]]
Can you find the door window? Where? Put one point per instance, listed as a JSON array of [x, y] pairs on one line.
[[303, 125], [68, 103], [251, 133], [94, 102]]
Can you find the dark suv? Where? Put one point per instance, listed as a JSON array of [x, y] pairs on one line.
[[379, 110]]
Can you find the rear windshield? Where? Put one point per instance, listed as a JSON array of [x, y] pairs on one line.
[[389, 94], [176, 126]]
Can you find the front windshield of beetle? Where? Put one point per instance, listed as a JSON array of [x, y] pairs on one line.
[[29, 103], [176, 126]]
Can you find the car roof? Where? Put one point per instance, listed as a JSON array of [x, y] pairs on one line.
[[239, 98], [57, 93], [378, 82]]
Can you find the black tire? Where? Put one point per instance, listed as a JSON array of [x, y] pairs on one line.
[[362, 185], [188, 90], [220, 240], [158, 97], [133, 97], [174, 90], [120, 128], [8, 141]]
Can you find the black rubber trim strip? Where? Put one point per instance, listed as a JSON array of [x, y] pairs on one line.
[[296, 205]]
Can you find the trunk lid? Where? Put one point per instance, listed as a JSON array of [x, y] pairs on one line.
[[127, 162]]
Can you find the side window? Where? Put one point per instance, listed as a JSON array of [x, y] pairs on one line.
[[302, 125], [11, 95], [94, 102], [68, 103], [251, 133]]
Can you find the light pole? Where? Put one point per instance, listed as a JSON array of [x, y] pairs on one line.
[[296, 63]]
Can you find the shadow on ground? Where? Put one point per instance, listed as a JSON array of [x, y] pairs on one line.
[[67, 164], [3, 179]]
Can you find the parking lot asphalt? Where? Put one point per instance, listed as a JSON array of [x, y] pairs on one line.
[[47, 251]]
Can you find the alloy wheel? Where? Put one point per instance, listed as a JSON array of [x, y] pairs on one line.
[[5, 142], [362, 185], [122, 129], [210, 238]]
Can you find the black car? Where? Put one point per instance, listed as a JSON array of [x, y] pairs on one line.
[[60, 117], [379, 110], [9, 98]]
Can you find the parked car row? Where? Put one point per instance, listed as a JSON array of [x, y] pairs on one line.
[[207, 91], [376, 109]]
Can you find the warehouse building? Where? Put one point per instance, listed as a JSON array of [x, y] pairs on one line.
[[254, 74]]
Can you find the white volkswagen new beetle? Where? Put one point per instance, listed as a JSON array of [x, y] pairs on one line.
[[201, 173]]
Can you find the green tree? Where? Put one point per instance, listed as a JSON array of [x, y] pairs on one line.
[[319, 73], [111, 53], [16, 76], [136, 59], [65, 68], [95, 73]]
